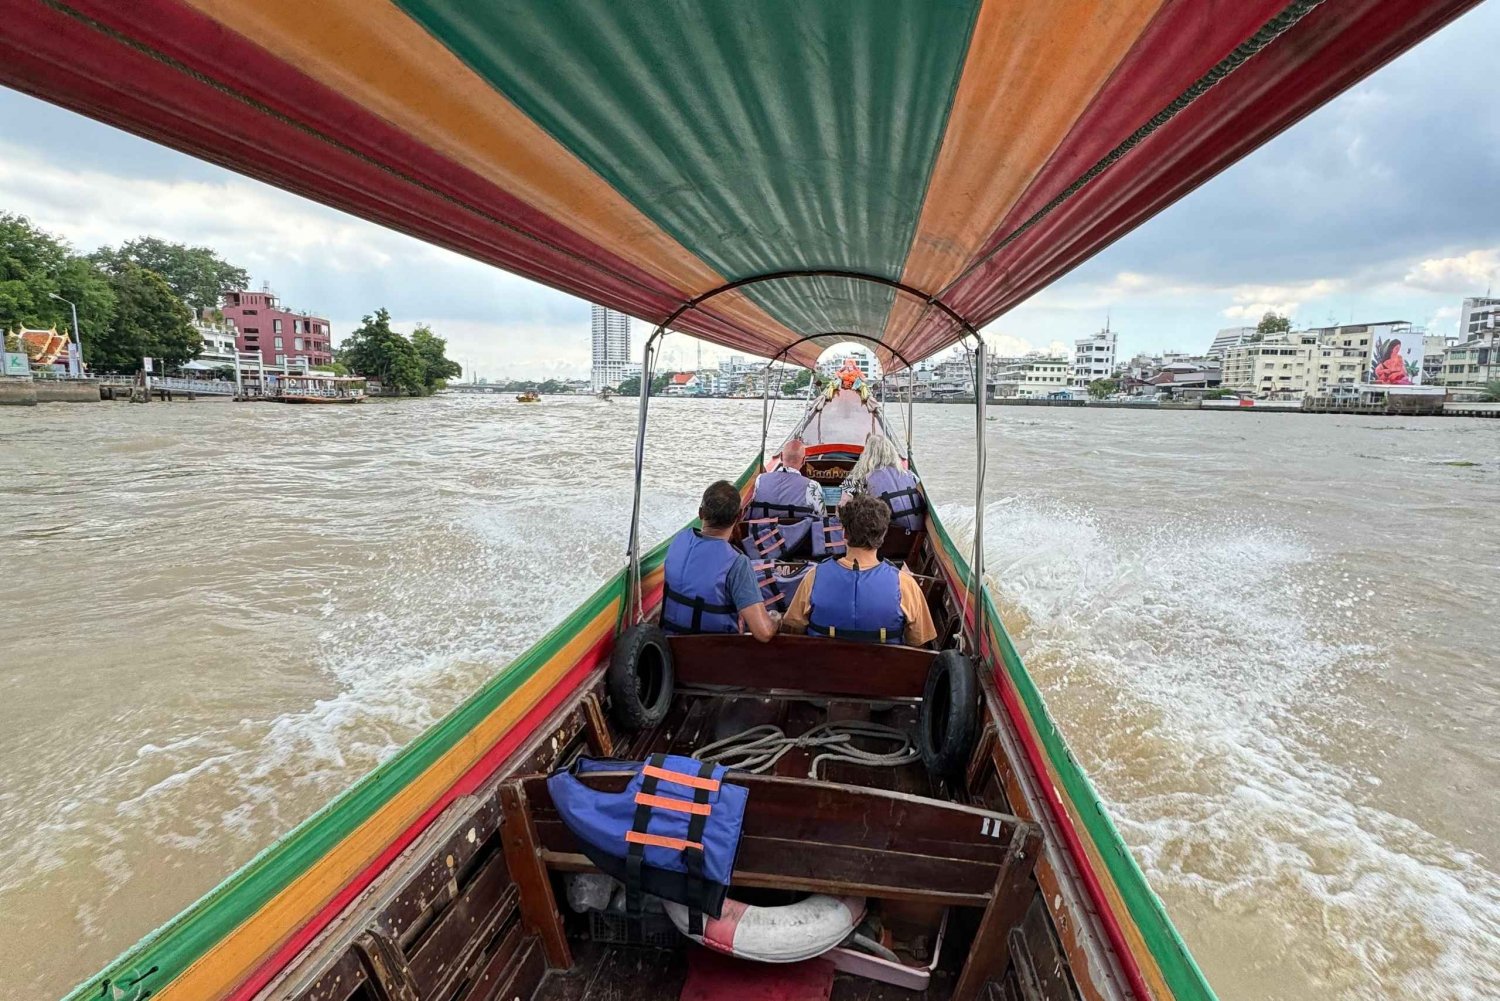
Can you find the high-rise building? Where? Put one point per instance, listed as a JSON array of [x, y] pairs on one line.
[[611, 349], [1093, 358], [1229, 337], [1477, 316]]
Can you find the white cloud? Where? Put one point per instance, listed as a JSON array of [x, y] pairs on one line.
[[1461, 275], [1251, 302]]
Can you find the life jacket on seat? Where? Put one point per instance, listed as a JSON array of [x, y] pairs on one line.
[[769, 539], [778, 584], [781, 493], [672, 832], [863, 605], [898, 488], [696, 598]]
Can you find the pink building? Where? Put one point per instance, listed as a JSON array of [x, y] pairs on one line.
[[260, 325]]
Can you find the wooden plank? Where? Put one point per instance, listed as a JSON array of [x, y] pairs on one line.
[[501, 963], [462, 929], [1012, 896], [829, 667], [339, 982], [825, 812], [538, 905], [389, 976]]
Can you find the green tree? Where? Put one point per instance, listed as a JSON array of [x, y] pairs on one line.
[[797, 382], [374, 350], [149, 322], [197, 275], [632, 385], [34, 265], [437, 368], [1101, 388], [1492, 391], [1273, 323]]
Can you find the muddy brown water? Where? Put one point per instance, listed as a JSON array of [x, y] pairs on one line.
[[1270, 639]]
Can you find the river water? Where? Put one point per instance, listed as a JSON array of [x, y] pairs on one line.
[[1270, 639]]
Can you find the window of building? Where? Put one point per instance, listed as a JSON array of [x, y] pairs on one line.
[[252, 330], [276, 326], [252, 312], [296, 343], [281, 359], [278, 342]]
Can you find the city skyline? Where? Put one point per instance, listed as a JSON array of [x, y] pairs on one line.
[[1364, 210]]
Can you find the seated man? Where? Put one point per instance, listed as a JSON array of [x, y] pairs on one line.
[[710, 584], [859, 597], [784, 492]]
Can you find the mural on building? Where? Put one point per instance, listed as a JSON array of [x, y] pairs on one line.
[[1396, 361]]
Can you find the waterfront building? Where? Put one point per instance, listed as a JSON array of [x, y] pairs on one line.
[[261, 325], [1471, 365], [611, 349], [1434, 348], [1033, 377], [1230, 337], [1093, 358], [864, 359], [219, 347], [1183, 377], [1344, 351], [1477, 315], [1280, 364]]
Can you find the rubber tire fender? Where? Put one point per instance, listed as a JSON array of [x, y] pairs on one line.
[[949, 723], [640, 678], [785, 934]]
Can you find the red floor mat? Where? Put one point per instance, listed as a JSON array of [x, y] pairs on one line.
[[712, 976]]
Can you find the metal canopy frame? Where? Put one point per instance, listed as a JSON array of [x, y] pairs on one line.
[[635, 611]]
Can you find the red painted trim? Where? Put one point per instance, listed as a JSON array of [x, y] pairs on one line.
[[1020, 721], [1330, 50], [63, 60], [476, 776]]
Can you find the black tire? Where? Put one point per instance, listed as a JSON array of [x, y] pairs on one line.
[[640, 678], [949, 723]]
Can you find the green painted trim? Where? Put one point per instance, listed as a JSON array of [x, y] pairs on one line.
[[181, 941], [1178, 967], [174, 946]]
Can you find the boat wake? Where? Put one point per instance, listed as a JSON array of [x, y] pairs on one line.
[[1210, 677]]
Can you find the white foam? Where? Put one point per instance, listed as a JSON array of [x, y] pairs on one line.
[[1199, 670]]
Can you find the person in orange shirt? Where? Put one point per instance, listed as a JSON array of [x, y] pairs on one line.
[[859, 596]]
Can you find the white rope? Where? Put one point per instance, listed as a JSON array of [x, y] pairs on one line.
[[757, 749]]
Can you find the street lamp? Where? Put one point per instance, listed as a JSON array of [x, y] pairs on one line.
[[77, 337]]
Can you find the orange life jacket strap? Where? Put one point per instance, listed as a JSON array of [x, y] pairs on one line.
[[691, 781], [677, 844], [675, 805]]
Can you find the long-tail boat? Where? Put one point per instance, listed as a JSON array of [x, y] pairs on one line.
[[774, 177]]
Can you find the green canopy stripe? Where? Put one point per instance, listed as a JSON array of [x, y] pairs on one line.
[[765, 136]]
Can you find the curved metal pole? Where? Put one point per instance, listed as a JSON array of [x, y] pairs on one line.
[[634, 601], [911, 410]]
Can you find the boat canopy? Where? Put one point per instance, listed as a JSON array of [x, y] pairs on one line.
[[902, 170]]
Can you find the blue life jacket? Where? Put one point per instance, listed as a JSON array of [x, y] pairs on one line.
[[898, 488], [781, 493], [697, 598], [673, 831], [768, 539], [863, 605]]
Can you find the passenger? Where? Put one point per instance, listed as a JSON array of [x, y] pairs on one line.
[[879, 473], [784, 492], [710, 585], [860, 597]]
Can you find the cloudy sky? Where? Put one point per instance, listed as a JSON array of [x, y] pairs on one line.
[[1383, 205]]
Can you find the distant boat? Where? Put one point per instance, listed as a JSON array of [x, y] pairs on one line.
[[316, 389], [531, 396]]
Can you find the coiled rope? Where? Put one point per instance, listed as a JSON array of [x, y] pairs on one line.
[[757, 749]]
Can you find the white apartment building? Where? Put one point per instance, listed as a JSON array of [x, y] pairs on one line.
[[1476, 316], [1469, 366], [611, 349], [1093, 358], [1280, 364], [864, 359], [1033, 377], [1229, 337]]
